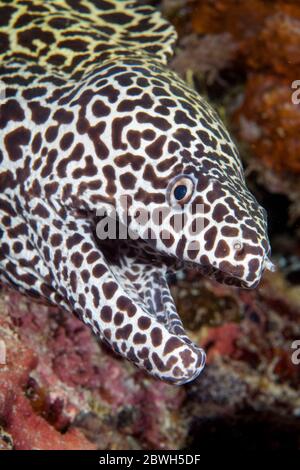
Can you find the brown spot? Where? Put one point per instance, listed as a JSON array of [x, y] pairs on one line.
[[156, 336], [109, 289], [39, 113], [124, 332], [222, 249], [144, 323], [77, 259], [139, 338], [66, 141], [158, 362], [106, 314], [158, 122], [187, 358], [118, 318], [10, 111], [210, 237], [171, 344], [229, 231], [62, 116], [14, 140], [134, 138], [56, 239], [219, 212], [96, 296], [128, 180], [118, 125], [99, 270]]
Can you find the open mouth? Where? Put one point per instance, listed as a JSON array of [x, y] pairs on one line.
[[222, 277], [151, 333], [143, 273]]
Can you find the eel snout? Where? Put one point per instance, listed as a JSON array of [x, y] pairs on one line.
[[269, 265]]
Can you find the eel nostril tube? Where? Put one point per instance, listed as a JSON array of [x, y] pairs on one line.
[[269, 265]]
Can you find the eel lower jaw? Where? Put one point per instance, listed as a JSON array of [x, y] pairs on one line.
[[143, 274], [223, 277], [144, 279], [220, 276]]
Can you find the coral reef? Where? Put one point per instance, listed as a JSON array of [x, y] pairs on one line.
[[268, 121], [249, 393], [60, 389], [253, 44]]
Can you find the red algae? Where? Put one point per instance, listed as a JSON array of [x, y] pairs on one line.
[[266, 38], [60, 385], [269, 121]]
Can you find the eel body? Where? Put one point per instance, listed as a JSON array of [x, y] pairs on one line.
[[94, 126]]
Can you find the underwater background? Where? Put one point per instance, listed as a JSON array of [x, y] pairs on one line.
[[68, 391]]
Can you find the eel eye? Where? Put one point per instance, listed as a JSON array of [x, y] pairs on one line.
[[181, 190]]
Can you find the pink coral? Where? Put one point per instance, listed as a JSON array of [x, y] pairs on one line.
[[66, 385]]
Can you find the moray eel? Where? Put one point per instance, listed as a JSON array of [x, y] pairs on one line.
[[93, 122]]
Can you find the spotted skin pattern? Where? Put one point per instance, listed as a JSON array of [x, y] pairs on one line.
[[92, 114]]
